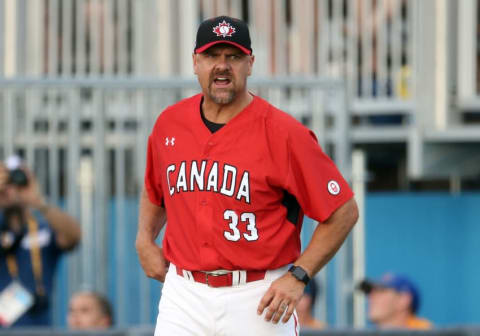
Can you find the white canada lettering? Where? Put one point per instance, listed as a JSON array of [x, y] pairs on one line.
[[195, 176], [228, 170], [182, 179], [213, 178], [170, 169], [244, 188]]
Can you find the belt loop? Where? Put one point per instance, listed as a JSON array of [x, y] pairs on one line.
[[235, 278], [188, 275], [243, 277]]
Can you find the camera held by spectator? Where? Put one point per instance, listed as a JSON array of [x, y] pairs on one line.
[[13, 227], [17, 175]]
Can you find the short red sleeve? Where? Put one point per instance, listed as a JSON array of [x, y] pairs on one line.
[[153, 179], [313, 178]]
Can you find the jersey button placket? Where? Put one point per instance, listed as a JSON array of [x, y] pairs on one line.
[[206, 153], [208, 148], [204, 213]]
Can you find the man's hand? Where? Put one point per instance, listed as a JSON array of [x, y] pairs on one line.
[[281, 298], [8, 194], [151, 219], [31, 195], [152, 260], [3, 176]]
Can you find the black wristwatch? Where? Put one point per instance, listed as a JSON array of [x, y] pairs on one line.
[[299, 273]]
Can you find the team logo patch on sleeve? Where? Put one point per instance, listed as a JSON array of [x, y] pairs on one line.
[[224, 29], [333, 187]]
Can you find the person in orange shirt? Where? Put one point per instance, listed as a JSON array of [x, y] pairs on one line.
[[393, 303]]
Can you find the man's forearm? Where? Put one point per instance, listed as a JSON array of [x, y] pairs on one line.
[[66, 228], [151, 220], [328, 237]]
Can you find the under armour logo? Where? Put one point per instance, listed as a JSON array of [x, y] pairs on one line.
[[169, 141]]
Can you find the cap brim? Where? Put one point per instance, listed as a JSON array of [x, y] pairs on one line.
[[211, 44], [366, 286]]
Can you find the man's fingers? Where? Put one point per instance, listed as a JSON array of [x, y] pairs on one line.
[[160, 276], [264, 302], [157, 272], [270, 312], [152, 261], [273, 310], [282, 308], [289, 313]]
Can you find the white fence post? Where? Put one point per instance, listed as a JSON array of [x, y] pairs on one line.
[[358, 237], [85, 181], [467, 49]]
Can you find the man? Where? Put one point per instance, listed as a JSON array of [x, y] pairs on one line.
[[89, 311], [235, 176], [33, 235], [393, 302]]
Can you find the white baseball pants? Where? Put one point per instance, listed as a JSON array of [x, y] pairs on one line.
[[189, 308]]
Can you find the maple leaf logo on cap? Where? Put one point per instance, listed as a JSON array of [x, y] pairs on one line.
[[224, 29]]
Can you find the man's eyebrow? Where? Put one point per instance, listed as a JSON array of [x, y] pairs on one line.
[[208, 52], [236, 53]]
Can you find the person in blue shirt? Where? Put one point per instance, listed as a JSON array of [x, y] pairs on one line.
[[33, 236]]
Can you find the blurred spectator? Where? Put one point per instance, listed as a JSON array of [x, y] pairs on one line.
[[33, 236], [394, 301], [305, 308], [89, 311]]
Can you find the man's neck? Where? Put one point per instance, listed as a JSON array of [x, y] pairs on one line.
[[223, 113]]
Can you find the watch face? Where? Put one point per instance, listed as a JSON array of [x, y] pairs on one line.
[[300, 274]]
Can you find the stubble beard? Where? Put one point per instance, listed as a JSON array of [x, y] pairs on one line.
[[224, 97]]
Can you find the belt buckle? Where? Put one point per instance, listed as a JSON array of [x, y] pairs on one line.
[[214, 274]]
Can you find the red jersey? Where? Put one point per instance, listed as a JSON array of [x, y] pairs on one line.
[[235, 199]]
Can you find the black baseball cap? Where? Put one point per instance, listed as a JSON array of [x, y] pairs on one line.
[[223, 29]]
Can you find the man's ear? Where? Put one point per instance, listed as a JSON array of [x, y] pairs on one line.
[[405, 300], [250, 64], [194, 60]]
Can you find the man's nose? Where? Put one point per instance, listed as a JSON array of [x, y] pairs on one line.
[[223, 63]]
